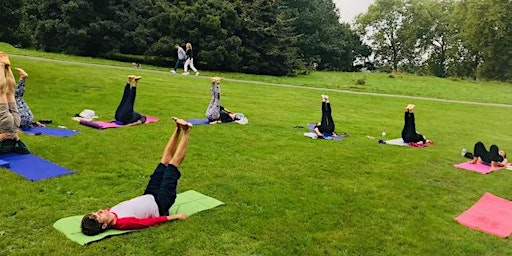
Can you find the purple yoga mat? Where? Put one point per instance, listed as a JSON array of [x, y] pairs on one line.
[[58, 132], [198, 121], [112, 124], [33, 167]]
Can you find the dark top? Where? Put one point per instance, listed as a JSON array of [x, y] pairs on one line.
[[190, 54]]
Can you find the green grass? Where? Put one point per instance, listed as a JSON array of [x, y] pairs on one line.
[[285, 194]]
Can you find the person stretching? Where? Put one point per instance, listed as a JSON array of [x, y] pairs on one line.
[[326, 126], [495, 157], [215, 113], [9, 117], [213, 110], [27, 118], [125, 113], [152, 208], [409, 134]]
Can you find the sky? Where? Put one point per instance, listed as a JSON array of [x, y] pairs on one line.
[[349, 9]]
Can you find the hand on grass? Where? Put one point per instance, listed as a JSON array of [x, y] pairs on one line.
[[181, 216]]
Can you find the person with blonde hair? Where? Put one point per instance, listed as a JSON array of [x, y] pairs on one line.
[[190, 60]]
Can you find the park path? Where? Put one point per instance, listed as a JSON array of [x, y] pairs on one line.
[[275, 84]]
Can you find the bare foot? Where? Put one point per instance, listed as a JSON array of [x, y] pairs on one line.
[[216, 79], [130, 78], [182, 123], [23, 74], [137, 78]]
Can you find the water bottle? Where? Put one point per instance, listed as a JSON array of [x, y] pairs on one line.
[[384, 135], [463, 151]]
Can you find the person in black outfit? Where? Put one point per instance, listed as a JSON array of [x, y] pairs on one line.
[[409, 133], [125, 113], [495, 157], [326, 126]]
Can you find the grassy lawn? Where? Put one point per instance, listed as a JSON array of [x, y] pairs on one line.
[[285, 194]]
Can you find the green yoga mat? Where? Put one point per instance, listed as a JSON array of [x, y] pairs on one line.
[[189, 202]]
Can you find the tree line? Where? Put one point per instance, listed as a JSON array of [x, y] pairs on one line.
[[273, 37], [456, 38]]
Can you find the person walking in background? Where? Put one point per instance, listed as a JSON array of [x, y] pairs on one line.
[[190, 60], [181, 57]]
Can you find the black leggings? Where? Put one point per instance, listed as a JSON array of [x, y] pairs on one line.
[[487, 156], [162, 185], [409, 131], [327, 123], [125, 113]]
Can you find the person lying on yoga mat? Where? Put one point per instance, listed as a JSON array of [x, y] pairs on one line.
[[125, 114], [9, 116], [152, 208], [215, 112], [495, 157], [27, 118], [409, 133], [326, 126]]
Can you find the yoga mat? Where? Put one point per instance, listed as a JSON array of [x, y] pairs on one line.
[[397, 142], [491, 214], [314, 136], [480, 168], [189, 202], [112, 124], [33, 167], [4, 164], [58, 132], [198, 121]]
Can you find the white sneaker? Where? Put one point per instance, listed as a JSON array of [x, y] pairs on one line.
[[185, 73], [173, 71], [197, 73]]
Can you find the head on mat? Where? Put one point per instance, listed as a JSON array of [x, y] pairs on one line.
[[152, 207]]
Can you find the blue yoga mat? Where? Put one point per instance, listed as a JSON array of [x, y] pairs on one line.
[[198, 121], [326, 135], [33, 167], [59, 132]]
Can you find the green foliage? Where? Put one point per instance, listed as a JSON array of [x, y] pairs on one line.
[[260, 37]]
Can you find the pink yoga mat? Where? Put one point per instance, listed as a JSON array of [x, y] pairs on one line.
[[480, 168], [112, 124], [491, 214]]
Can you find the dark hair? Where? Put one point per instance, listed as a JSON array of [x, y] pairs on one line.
[[90, 225]]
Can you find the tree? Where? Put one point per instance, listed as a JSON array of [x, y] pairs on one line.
[[381, 25], [486, 26], [269, 45], [323, 40]]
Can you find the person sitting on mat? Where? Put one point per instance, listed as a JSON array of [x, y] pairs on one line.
[[152, 208], [326, 126], [495, 157], [215, 112], [409, 134], [9, 116], [27, 118], [125, 113]]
